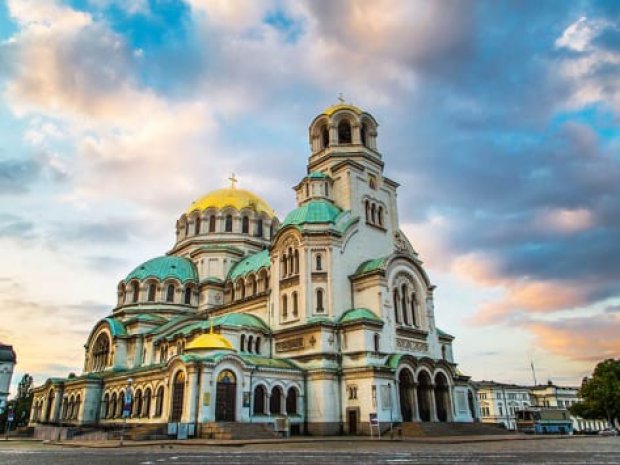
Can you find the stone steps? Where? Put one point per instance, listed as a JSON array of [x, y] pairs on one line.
[[451, 429], [227, 430]]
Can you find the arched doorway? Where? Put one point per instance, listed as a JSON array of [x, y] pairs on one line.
[[226, 396], [424, 393], [442, 397], [48, 409], [405, 391], [178, 396]]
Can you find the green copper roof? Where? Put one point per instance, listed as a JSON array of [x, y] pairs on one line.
[[444, 334], [116, 327], [146, 318], [244, 320], [252, 263], [371, 265], [393, 360], [315, 211], [317, 175], [252, 360], [162, 268], [359, 314]]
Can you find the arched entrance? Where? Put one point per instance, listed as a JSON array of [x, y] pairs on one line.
[[406, 392], [48, 409], [424, 396], [178, 395], [442, 396], [226, 396]]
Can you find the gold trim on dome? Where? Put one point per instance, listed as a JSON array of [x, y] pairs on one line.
[[231, 197], [342, 106]]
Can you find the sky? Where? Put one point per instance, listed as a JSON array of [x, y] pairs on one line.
[[498, 119]]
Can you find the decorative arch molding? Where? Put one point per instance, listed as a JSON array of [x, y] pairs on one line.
[[400, 261]]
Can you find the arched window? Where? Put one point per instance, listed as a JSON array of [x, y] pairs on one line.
[[245, 225], [259, 228], [284, 306], [242, 343], [291, 401], [228, 224], [241, 288], [163, 352], [137, 404], [254, 285], [380, 216], [170, 293], [101, 352], [376, 342], [146, 411], [414, 310], [159, 401], [326, 189], [250, 342], [291, 260], [319, 300], [186, 228], [212, 223], [319, 262], [395, 300], [307, 189], [119, 405], [296, 262], [188, 296], [403, 304], [284, 265], [197, 226], [259, 400], [135, 292], [178, 396], [257, 349], [295, 308], [112, 409], [325, 136], [363, 134], [367, 204], [344, 132], [275, 402], [372, 213], [151, 292], [444, 352]]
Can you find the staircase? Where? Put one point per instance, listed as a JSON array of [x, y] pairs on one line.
[[147, 431], [231, 430], [452, 429]]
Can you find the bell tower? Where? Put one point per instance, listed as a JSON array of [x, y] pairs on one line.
[[343, 144]]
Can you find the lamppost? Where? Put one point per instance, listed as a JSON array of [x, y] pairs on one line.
[[9, 420], [126, 408]]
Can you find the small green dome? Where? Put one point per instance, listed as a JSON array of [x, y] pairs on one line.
[[359, 314], [243, 320], [7, 354], [317, 175], [315, 211], [162, 268]]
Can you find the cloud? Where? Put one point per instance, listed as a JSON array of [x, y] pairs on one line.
[[588, 339], [16, 176], [16, 227]]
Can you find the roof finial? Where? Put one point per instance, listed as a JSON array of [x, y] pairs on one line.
[[233, 181], [211, 329], [340, 98]]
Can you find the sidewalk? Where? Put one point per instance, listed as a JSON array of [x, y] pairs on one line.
[[304, 440]]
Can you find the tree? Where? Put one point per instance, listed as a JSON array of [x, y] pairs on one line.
[[601, 393]]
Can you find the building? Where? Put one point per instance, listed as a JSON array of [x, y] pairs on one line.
[[499, 402], [562, 397], [323, 318], [8, 360]]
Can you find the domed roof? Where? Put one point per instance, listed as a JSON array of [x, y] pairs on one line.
[[342, 106], [7, 354], [162, 268], [210, 341], [315, 211], [231, 197]]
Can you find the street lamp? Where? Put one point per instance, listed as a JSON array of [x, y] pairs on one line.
[[126, 408]]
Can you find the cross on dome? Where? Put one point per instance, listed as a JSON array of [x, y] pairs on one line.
[[340, 97], [233, 181]]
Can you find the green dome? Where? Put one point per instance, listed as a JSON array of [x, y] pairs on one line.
[[315, 211], [243, 320], [162, 268], [359, 314], [7, 354]]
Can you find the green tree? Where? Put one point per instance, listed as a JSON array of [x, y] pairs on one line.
[[601, 393]]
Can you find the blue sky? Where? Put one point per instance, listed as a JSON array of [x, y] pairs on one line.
[[499, 119]]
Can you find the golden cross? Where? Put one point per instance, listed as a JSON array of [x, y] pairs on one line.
[[340, 97], [233, 181]]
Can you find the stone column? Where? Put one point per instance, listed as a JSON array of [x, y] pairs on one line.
[[433, 406], [189, 413], [414, 404], [333, 134]]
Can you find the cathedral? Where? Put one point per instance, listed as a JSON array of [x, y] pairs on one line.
[[324, 318]]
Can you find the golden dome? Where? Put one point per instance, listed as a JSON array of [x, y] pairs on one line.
[[210, 341], [231, 197], [342, 106]]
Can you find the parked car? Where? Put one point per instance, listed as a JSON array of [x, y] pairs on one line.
[[608, 432]]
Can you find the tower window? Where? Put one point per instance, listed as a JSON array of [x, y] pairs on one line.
[[363, 134], [170, 293], [295, 307], [344, 132], [284, 306], [372, 181], [135, 292], [376, 342], [228, 225], [151, 293], [325, 136], [245, 226], [197, 227], [319, 262], [212, 223], [259, 228], [242, 344], [380, 216], [319, 300], [188, 296]]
